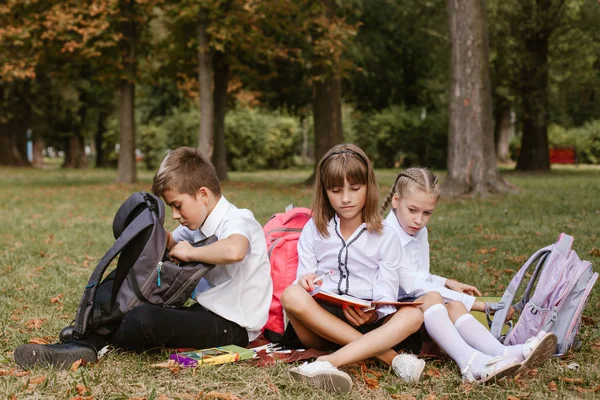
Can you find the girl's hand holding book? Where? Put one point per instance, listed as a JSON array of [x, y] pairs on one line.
[[357, 316]]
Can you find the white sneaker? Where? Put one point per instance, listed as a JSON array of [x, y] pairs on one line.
[[408, 367], [537, 350], [494, 369], [324, 375]]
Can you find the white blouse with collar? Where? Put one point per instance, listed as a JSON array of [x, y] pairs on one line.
[[365, 266], [417, 280]]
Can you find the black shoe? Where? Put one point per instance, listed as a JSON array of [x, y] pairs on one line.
[[61, 355]]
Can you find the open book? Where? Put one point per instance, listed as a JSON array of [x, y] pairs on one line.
[[343, 299], [211, 356]]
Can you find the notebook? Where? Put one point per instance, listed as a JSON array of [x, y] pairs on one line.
[[211, 356]]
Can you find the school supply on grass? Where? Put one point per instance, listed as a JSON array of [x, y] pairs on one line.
[[143, 273], [554, 298], [346, 300], [282, 233], [212, 356]]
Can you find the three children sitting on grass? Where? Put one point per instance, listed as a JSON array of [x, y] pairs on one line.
[[370, 259]]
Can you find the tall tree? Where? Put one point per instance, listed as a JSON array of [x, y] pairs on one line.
[[471, 154], [127, 169]]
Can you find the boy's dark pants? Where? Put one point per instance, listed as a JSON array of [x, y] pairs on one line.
[[149, 326]]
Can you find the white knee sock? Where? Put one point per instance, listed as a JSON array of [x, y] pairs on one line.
[[444, 333], [480, 338]]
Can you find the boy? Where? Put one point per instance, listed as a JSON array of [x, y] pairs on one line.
[[232, 299]]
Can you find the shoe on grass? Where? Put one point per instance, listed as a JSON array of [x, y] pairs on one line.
[[537, 350], [408, 367], [60, 356], [324, 375], [495, 369]]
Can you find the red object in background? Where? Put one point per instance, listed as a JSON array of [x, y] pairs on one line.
[[562, 155]]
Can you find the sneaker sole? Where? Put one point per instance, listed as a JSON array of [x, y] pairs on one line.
[[334, 381], [544, 350], [510, 370], [30, 355]]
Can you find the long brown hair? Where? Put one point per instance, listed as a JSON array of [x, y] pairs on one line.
[[345, 161], [413, 179]]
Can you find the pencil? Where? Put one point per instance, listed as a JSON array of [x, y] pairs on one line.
[[320, 278]]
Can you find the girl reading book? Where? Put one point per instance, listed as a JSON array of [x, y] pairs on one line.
[[446, 302], [346, 235]]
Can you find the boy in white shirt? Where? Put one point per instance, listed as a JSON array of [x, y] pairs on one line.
[[233, 298]]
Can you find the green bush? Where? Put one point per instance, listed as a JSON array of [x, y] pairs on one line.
[[259, 139], [397, 135], [585, 139]]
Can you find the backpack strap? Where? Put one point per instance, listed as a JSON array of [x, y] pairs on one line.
[[503, 306], [144, 220]]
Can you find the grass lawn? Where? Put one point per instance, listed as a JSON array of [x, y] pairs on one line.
[[55, 225]]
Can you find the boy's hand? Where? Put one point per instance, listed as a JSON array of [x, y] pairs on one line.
[[181, 251], [461, 287], [357, 317], [306, 282]]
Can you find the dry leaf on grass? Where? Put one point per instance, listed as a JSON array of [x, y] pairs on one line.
[[271, 386], [509, 397], [170, 365], [402, 396], [221, 396], [552, 386], [82, 398], [433, 372], [42, 340], [56, 299], [76, 364], [35, 323], [595, 252], [372, 382], [571, 380], [81, 389], [587, 390], [486, 251]]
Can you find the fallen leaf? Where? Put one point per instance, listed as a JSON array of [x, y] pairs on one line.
[[509, 397], [56, 299], [35, 324], [19, 374], [509, 271], [4, 372], [571, 380], [430, 396], [486, 251], [39, 340], [433, 372], [76, 364], [81, 389], [162, 397], [595, 252], [402, 396], [221, 396], [38, 380], [552, 386]]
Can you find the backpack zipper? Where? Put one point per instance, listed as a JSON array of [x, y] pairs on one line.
[[158, 268], [184, 287]]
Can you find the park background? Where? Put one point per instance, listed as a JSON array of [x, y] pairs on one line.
[[481, 92]]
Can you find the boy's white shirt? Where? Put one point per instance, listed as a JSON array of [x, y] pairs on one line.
[[416, 280], [373, 262], [240, 292]]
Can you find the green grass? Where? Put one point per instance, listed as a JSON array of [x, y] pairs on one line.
[[56, 224]]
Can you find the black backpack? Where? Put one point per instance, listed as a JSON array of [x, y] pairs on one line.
[[143, 273]]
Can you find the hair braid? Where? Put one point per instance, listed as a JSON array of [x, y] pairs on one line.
[[389, 197]]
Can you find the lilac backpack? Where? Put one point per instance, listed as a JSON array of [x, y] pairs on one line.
[[555, 303]]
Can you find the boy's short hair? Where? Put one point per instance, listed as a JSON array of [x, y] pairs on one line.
[[185, 170]]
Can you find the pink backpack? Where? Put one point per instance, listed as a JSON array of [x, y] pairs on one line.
[[282, 233]]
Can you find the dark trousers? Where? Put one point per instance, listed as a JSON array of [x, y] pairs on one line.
[[149, 326]]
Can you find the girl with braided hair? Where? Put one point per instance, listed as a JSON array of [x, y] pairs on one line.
[[447, 302], [346, 239]]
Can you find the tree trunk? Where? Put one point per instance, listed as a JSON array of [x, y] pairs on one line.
[[205, 78], [503, 132], [534, 154], [471, 153], [75, 152], [326, 103], [219, 158], [101, 161], [37, 150], [127, 169], [9, 143]]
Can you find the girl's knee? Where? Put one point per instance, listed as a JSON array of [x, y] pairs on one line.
[[292, 296], [432, 298], [410, 317], [456, 309]]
